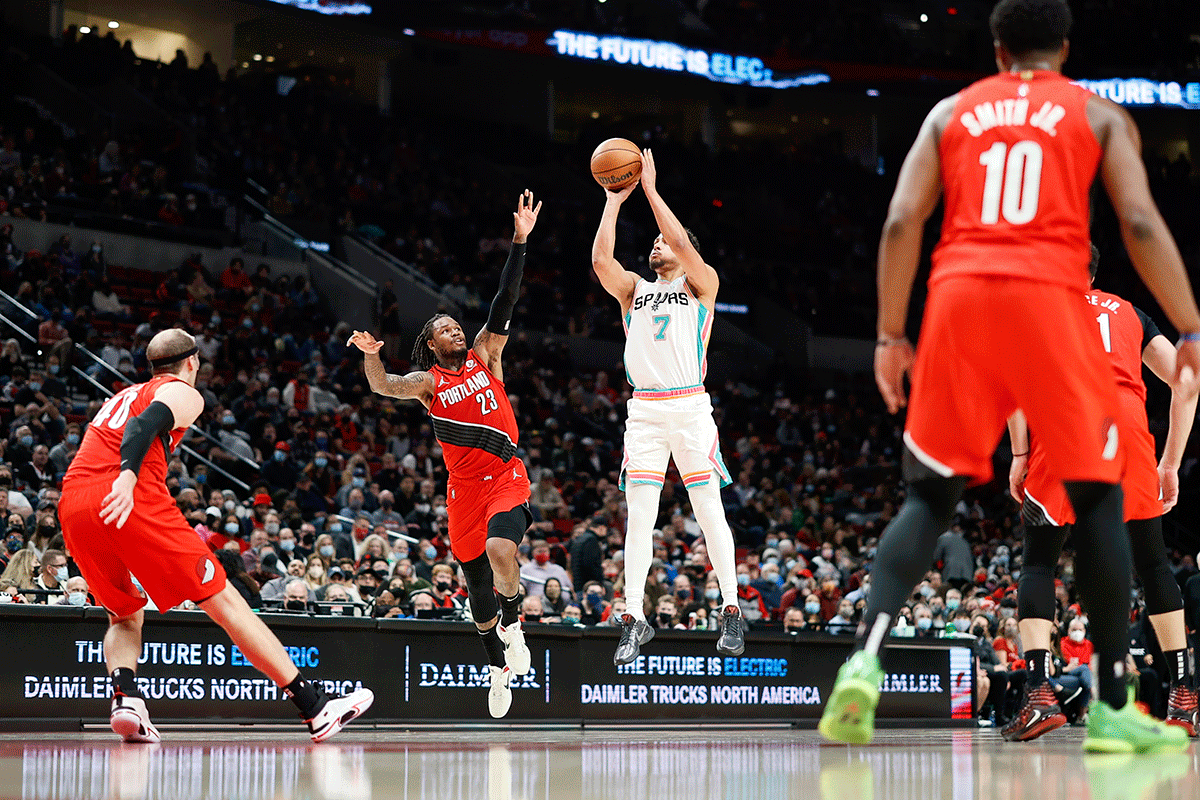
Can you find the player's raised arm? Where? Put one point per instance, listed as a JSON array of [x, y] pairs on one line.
[[701, 277], [490, 341], [1147, 239], [413, 386], [175, 405], [1160, 356], [616, 280]]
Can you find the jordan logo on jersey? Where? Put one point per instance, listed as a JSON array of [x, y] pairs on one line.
[[659, 298], [464, 390]]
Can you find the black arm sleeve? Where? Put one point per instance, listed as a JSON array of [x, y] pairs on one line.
[[140, 433], [510, 289], [1149, 329]]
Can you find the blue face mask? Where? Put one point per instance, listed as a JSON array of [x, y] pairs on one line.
[[320, 462], [925, 623], [358, 483], [72, 438], [76, 598], [431, 553], [712, 594], [280, 455], [54, 369], [61, 575], [743, 579], [326, 550], [772, 542], [231, 527], [812, 608], [27, 441], [334, 527], [201, 478], [34, 386], [952, 603], [963, 625], [228, 419], [288, 544]]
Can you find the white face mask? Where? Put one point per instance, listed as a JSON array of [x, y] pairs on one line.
[[1076, 636]]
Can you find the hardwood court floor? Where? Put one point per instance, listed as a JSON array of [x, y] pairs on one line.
[[569, 764]]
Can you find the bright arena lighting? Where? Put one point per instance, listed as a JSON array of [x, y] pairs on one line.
[[85, 29], [112, 23]]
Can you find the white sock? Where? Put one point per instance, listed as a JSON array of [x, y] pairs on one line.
[[710, 513], [642, 501]]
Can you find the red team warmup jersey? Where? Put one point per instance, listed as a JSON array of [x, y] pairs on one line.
[[1124, 331], [156, 544], [1005, 324], [472, 419], [100, 452], [1018, 159], [474, 422]]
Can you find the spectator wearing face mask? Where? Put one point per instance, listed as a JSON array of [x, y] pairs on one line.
[[63, 453], [235, 571], [531, 609], [52, 575], [793, 620], [76, 593], [540, 569], [387, 515], [594, 604], [749, 600], [296, 596], [770, 586], [281, 472], [443, 591], [843, 622]]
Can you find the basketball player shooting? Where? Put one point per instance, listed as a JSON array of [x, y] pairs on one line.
[[487, 491], [118, 518], [667, 324], [1006, 327]]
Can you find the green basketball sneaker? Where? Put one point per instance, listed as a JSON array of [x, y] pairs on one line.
[[1130, 730], [850, 713]]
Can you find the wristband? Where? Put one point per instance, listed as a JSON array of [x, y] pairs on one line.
[[1189, 337], [1018, 455], [886, 342]]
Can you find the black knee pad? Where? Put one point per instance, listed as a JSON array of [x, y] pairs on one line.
[[510, 524], [1042, 546], [1153, 568], [938, 496], [481, 588]]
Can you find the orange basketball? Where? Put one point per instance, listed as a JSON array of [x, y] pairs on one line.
[[616, 163]]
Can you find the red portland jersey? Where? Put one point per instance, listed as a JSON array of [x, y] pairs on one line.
[[1018, 159], [100, 452], [1125, 331], [472, 419]]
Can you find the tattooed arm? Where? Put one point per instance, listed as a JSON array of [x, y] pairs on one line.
[[413, 386]]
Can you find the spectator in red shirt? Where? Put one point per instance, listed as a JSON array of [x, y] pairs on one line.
[[751, 602], [53, 339], [235, 283], [1006, 645], [1077, 652], [830, 596]]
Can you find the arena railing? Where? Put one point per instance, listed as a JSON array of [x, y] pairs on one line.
[[108, 393]]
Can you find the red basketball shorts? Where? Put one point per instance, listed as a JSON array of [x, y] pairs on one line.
[[992, 345], [471, 502], [1046, 500], [156, 544]]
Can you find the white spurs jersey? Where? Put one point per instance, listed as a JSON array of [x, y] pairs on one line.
[[666, 329]]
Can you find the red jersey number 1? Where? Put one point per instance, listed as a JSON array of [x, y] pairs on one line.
[[1012, 183]]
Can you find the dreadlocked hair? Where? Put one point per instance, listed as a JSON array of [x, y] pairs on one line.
[[422, 355]]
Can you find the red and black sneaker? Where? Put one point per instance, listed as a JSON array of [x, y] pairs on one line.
[[1182, 709], [1039, 714]]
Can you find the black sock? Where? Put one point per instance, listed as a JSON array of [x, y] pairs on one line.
[[510, 608], [124, 681], [493, 646], [307, 696], [1178, 663], [1038, 664]]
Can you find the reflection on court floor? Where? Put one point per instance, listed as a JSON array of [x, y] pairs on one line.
[[500, 764]]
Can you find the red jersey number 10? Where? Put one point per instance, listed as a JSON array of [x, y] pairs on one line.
[[1012, 183]]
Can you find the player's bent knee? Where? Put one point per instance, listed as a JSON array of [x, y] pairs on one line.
[[498, 549]]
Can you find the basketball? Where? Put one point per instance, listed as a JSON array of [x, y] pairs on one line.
[[616, 163]]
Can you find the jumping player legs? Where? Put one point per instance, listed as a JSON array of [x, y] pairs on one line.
[[642, 501], [718, 538], [261, 646]]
